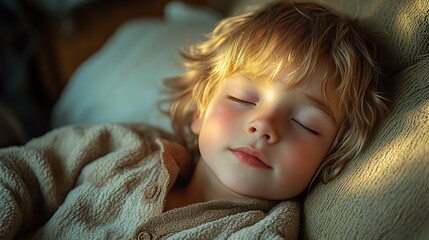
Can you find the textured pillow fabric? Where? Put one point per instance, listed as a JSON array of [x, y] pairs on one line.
[[123, 82], [384, 193]]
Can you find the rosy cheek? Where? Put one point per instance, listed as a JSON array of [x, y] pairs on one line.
[[219, 122], [224, 115], [305, 160]]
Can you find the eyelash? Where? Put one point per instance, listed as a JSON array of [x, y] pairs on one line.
[[240, 101], [306, 128]]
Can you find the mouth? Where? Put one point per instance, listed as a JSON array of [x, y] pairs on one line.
[[251, 157]]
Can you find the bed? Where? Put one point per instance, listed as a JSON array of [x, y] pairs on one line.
[[382, 194]]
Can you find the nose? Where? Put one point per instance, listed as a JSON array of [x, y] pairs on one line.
[[264, 129]]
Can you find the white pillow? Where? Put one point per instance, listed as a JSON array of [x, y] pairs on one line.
[[123, 81]]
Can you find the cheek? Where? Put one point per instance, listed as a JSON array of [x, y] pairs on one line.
[[300, 164], [221, 118], [305, 160], [217, 127]]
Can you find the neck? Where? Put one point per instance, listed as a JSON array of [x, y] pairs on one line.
[[204, 186]]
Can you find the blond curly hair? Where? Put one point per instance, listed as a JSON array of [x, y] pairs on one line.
[[289, 32]]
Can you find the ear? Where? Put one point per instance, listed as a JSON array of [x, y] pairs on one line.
[[197, 122]]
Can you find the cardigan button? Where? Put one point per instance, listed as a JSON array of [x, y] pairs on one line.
[[150, 191], [144, 236]]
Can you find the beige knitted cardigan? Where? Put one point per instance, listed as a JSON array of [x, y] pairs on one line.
[[110, 182]]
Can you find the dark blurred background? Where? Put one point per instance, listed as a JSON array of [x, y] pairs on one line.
[[42, 42]]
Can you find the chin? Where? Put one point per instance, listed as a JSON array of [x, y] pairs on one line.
[[259, 193], [243, 190]]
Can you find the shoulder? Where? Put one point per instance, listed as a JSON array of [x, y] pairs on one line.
[[107, 135], [111, 129]]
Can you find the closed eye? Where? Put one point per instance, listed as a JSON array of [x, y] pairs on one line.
[[312, 131], [240, 101]]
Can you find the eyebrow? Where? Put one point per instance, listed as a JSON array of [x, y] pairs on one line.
[[323, 106]]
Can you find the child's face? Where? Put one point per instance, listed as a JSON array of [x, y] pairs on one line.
[[266, 141]]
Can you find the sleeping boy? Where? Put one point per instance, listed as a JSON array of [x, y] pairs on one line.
[[272, 102]]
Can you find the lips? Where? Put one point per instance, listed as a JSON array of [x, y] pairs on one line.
[[250, 157]]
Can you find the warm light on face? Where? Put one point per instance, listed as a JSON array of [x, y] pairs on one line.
[[269, 94]]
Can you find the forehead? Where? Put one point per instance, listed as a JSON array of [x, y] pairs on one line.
[[289, 74]]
